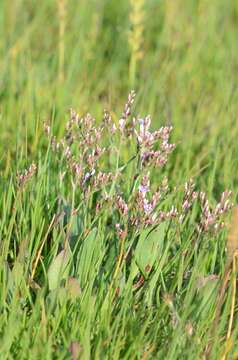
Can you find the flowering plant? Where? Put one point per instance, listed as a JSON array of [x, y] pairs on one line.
[[87, 150]]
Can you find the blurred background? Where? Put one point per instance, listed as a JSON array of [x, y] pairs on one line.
[[181, 57]]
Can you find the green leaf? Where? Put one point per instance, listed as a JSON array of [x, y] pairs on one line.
[[149, 247], [18, 273], [9, 279], [206, 295], [59, 269], [86, 261], [73, 221], [57, 296]]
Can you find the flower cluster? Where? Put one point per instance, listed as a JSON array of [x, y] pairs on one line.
[[143, 208], [81, 149], [147, 203], [147, 141], [87, 147], [123, 126], [122, 206], [190, 196], [211, 220], [26, 175]]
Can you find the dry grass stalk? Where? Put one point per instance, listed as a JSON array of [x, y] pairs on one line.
[[232, 253], [38, 255], [232, 243], [62, 21]]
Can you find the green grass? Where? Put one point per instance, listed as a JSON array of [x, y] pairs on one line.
[[184, 72]]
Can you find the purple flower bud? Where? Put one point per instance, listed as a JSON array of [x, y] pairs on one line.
[[122, 123], [147, 207], [143, 189], [88, 175]]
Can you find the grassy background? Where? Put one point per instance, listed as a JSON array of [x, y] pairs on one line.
[[181, 58]]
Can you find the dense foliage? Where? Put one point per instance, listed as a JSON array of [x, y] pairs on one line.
[[113, 223]]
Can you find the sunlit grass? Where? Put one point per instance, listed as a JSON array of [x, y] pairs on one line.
[[61, 54]]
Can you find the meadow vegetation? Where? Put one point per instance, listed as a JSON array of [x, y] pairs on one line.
[[118, 179]]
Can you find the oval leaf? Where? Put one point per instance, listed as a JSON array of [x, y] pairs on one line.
[[59, 269], [149, 247]]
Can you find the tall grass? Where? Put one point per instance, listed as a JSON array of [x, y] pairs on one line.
[[79, 277]]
